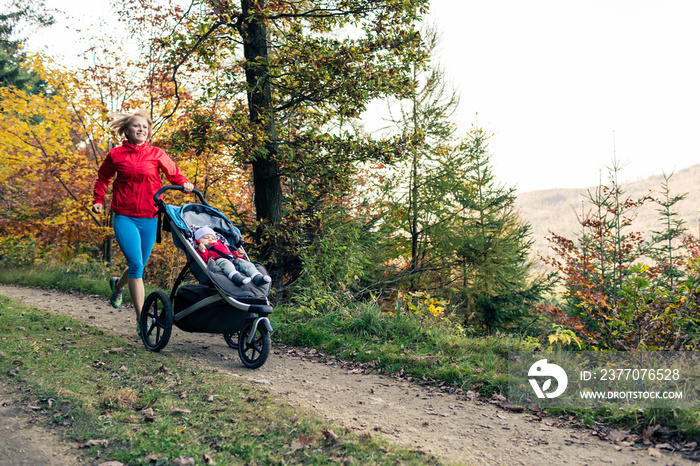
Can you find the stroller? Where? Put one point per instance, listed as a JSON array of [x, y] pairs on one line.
[[214, 304]]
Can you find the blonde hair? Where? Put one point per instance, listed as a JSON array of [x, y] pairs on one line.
[[119, 122]]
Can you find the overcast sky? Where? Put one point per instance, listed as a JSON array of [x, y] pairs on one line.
[[563, 84], [566, 84]]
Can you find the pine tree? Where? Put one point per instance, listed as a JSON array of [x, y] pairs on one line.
[[492, 245], [13, 72], [415, 186], [666, 244]]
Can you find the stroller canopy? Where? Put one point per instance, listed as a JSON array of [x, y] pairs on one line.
[[189, 217]]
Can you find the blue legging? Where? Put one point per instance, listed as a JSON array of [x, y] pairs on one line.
[[135, 237]]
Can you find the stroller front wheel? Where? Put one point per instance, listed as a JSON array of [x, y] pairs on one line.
[[253, 346], [156, 321]]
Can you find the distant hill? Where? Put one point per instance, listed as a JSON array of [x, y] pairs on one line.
[[553, 209]]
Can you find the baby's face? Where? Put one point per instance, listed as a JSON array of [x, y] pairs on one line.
[[207, 239]]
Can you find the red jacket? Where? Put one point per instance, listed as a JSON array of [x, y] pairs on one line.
[[212, 254], [138, 178]]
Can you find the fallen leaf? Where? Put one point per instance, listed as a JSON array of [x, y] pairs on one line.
[[148, 415], [175, 410], [94, 443], [330, 435], [183, 461], [617, 435], [303, 441], [624, 444], [648, 433], [344, 460], [208, 459], [261, 381], [655, 452]]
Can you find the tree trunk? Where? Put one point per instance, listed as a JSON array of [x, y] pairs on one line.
[[266, 176], [415, 191]]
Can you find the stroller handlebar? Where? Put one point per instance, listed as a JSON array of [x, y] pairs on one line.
[[156, 196]]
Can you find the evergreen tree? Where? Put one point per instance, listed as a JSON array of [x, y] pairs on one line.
[[415, 187], [17, 17], [666, 244], [491, 245], [458, 234]]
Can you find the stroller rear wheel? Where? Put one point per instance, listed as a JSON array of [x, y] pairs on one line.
[[231, 340], [254, 350], [156, 321]]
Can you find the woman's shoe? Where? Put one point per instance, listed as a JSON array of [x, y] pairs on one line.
[[116, 298]]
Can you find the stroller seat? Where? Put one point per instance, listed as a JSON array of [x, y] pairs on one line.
[[248, 293]]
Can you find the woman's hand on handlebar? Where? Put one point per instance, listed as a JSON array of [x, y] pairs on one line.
[[188, 187]]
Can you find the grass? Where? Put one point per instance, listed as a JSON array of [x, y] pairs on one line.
[[128, 405], [422, 349], [86, 276]]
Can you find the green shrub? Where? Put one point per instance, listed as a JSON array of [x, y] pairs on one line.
[[18, 251]]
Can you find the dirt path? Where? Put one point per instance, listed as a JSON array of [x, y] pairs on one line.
[[26, 442], [455, 428]]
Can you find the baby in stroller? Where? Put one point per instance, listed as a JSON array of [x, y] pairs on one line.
[[231, 263]]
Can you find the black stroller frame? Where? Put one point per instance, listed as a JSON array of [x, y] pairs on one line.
[[215, 304]]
